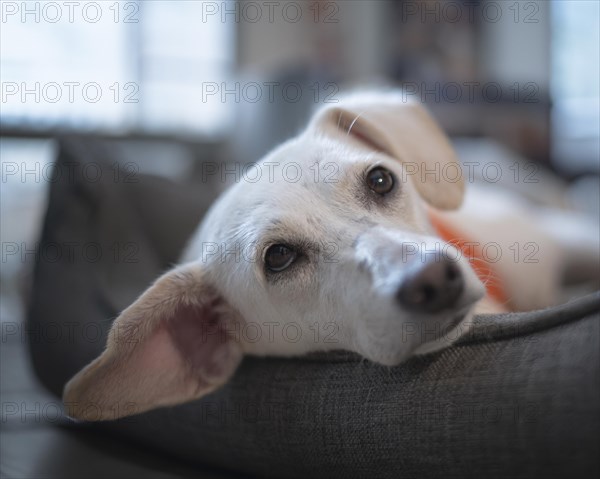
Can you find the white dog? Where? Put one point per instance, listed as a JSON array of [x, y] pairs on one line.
[[328, 243]]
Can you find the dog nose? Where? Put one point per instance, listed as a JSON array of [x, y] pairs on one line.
[[434, 286]]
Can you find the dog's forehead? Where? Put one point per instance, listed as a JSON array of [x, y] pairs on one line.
[[296, 184], [317, 167], [304, 173]]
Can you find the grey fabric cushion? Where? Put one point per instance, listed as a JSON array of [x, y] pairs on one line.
[[518, 406], [517, 398], [99, 250]]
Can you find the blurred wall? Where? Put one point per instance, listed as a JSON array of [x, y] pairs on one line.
[[332, 46], [424, 46]]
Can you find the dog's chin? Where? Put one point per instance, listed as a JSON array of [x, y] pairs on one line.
[[456, 327]]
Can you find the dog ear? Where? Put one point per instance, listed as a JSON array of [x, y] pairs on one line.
[[405, 131], [170, 346]]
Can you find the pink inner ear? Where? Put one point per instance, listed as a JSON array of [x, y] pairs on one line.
[[182, 353], [200, 336]]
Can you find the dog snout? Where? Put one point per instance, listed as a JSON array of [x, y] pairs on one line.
[[435, 285]]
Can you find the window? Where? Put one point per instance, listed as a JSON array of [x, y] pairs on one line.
[[575, 85], [114, 66]]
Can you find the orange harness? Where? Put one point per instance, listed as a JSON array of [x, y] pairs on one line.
[[473, 252]]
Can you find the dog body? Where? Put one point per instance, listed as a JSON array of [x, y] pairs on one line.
[[326, 244], [532, 250]]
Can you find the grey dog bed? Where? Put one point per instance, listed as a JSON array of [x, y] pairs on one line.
[[519, 397]]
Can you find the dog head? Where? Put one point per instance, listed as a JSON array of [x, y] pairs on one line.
[[325, 244]]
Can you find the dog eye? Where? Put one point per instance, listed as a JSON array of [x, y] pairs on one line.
[[278, 257], [380, 181]]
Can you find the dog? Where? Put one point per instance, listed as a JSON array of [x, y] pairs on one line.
[[347, 237]]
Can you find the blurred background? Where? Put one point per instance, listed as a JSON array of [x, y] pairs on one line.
[[168, 87], [175, 84]]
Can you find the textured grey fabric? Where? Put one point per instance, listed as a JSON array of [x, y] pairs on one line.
[[516, 398], [98, 251], [522, 406]]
